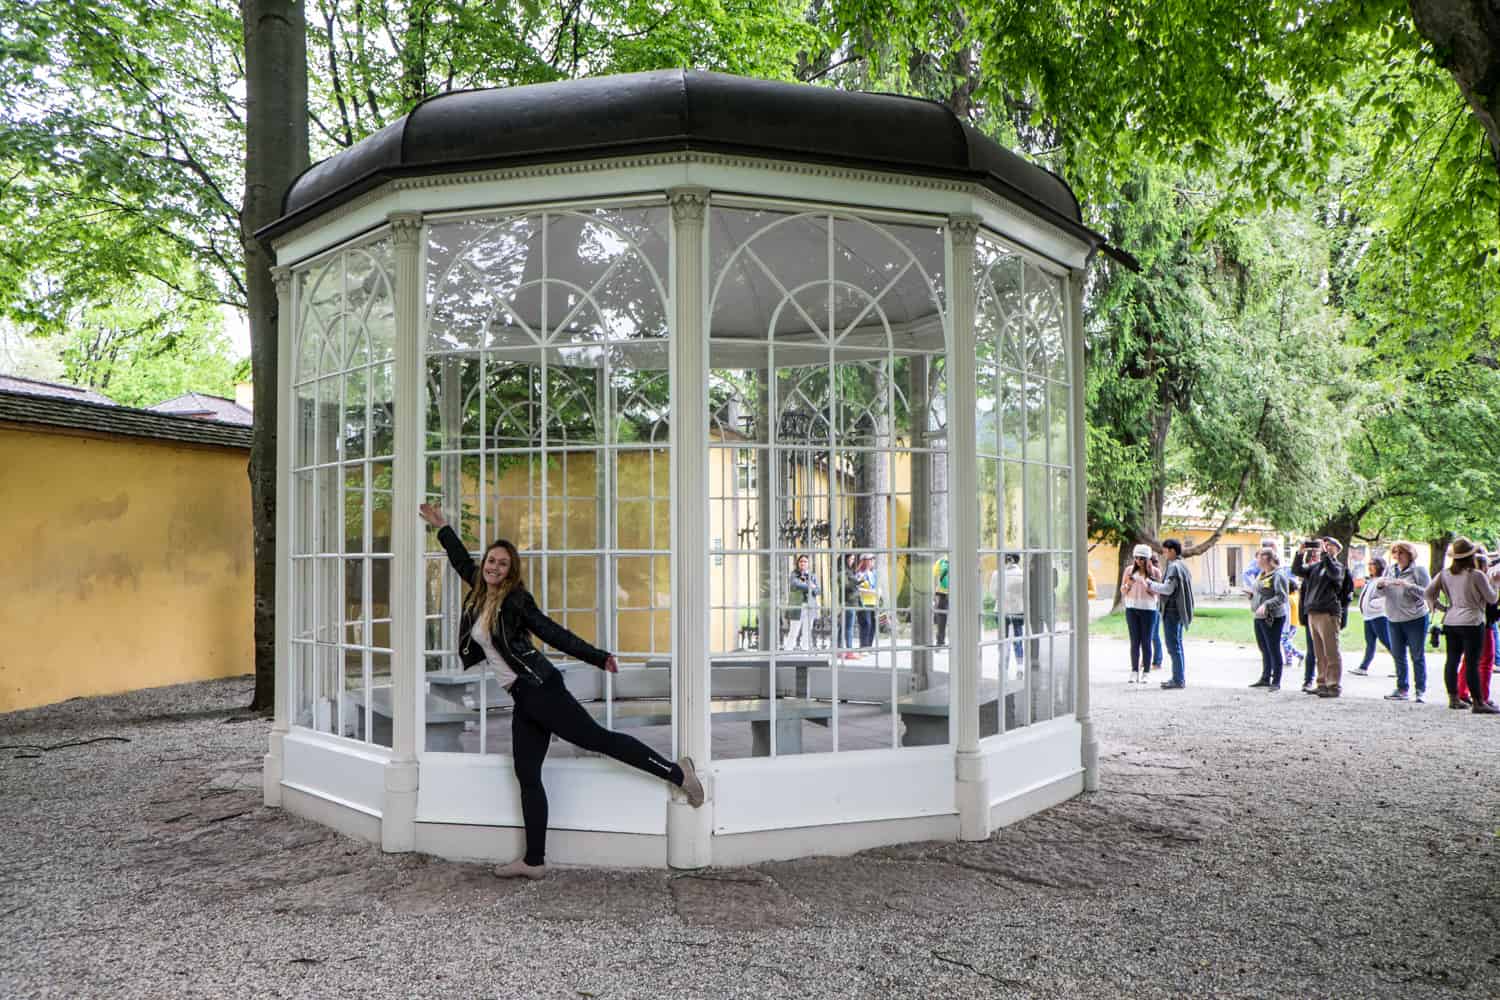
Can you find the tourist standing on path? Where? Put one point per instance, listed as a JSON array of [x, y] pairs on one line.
[[802, 600], [1372, 610], [1156, 657], [1463, 590], [1289, 650], [1269, 605], [1177, 610], [499, 617], [1487, 652], [849, 579], [1140, 609], [1322, 600], [940, 599], [1008, 590], [869, 598], [1404, 587]]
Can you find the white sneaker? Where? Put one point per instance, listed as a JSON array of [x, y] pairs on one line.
[[691, 786]]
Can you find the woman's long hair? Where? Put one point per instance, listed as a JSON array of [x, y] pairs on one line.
[[483, 602]]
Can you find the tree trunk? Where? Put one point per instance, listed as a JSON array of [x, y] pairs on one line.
[[1466, 37], [275, 153], [1439, 546]]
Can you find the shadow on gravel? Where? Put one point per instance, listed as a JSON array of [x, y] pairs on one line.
[[216, 842]]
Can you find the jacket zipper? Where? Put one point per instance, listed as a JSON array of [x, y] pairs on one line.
[[505, 639]]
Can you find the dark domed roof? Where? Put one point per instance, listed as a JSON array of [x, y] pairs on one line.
[[678, 110]]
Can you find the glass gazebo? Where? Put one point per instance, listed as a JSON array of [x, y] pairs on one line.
[[777, 389]]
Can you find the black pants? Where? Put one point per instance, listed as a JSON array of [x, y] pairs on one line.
[[551, 708], [1268, 638], [1465, 642], [940, 618]]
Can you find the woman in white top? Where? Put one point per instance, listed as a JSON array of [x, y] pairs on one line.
[[1467, 590], [1140, 609], [1372, 610]]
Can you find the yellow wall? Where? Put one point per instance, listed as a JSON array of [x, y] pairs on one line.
[[127, 564]]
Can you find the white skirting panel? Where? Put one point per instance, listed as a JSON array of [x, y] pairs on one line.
[[466, 842], [1035, 799], [338, 770], [585, 794], [842, 838], [788, 793], [1036, 757], [332, 813]]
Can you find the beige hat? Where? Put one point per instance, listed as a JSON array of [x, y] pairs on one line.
[[1141, 552]]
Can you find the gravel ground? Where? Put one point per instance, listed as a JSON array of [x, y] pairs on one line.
[[1243, 845]]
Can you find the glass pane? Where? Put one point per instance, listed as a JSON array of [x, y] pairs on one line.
[[302, 684], [305, 409], [739, 604], [864, 403], [512, 405], [513, 503], [1038, 514], [351, 721], [738, 401], [990, 671], [482, 283], [643, 509], [1062, 601], [328, 421], [1034, 407], [867, 698], [382, 500], [1011, 510], [643, 599], [380, 677], [987, 411], [382, 411], [354, 602], [1059, 440], [329, 683], [573, 488], [989, 503], [642, 405], [1043, 305], [802, 400], [1040, 688], [1062, 675], [1012, 415], [354, 508], [574, 405], [380, 602], [1062, 509]]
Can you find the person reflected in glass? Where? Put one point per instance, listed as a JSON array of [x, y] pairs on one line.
[[1008, 590], [849, 586], [802, 604], [499, 618], [940, 599], [869, 599]]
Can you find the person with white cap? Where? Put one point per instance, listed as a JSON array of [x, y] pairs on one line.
[[1140, 609]]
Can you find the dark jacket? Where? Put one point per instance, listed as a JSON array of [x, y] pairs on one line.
[[1176, 590], [1323, 585], [518, 620]]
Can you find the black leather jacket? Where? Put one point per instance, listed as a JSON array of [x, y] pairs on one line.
[[519, 619]]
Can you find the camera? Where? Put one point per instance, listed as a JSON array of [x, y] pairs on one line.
[[1312, 543]]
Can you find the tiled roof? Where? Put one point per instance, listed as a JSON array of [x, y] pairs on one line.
[[58, 390], [108, 418], [205, 407]]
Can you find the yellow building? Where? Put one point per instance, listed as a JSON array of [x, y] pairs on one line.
[[128, 550], [1216, 571]]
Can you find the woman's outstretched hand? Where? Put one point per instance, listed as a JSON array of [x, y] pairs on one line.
[[612, 665], [432, 515]]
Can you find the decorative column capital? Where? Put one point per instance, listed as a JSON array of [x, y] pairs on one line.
[[689, 203], [406, 228], [965, 229], [281, 277]]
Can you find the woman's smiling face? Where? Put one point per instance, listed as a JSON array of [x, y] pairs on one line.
[[496, 566]]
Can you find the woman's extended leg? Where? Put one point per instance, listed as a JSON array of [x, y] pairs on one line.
[[554, 707]]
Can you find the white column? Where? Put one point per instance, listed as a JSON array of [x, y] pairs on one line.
[[285, 409], [689, 830], [972, 789], [398, 821], [1080, 555]]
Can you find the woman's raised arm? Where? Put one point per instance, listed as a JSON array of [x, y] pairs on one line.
[[458, 555]]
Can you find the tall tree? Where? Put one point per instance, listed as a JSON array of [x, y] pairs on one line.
[[275, 153]]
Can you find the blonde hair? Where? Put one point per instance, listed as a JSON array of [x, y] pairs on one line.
[[483, 602], [1407, 547]]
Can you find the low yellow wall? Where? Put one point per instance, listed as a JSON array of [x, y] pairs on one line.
[[127, 564]]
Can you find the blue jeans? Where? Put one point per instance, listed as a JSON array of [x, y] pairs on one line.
[[1268, 638], [1171, 627], [1138, 623], [1310, 662], [847, 638], [1376, 630], [1410, 636], [1016, 624], [1156, 639]]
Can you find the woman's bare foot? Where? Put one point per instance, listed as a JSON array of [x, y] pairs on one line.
[[520, 869], [691, 786]]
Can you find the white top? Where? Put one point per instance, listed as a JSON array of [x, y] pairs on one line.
[[1011, 584], [1372, 602], [1136, 592], [503, 673]]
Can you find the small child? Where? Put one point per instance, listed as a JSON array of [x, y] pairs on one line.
[[1290, 652]]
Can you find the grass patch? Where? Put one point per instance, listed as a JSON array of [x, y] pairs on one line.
[[1230, 624]]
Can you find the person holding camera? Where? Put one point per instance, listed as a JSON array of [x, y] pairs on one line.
[[1140, 609], [1269, 604], [1176, 611], [1463, 590], [1323, 576], [1404, 586], [802, 604]]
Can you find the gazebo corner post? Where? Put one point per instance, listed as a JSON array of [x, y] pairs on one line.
[[271, 770], [971, 790], [689, 830], [399, 817], [1089, 749]]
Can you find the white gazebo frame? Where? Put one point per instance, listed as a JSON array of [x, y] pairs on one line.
[[758, 809]]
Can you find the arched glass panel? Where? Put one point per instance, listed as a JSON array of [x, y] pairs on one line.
[[826, 350]]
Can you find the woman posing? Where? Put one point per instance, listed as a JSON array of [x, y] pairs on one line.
[[499, 617], [1372, 610], [1467, 589], [1404, 586], [1140, 610], [1269, 604]]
